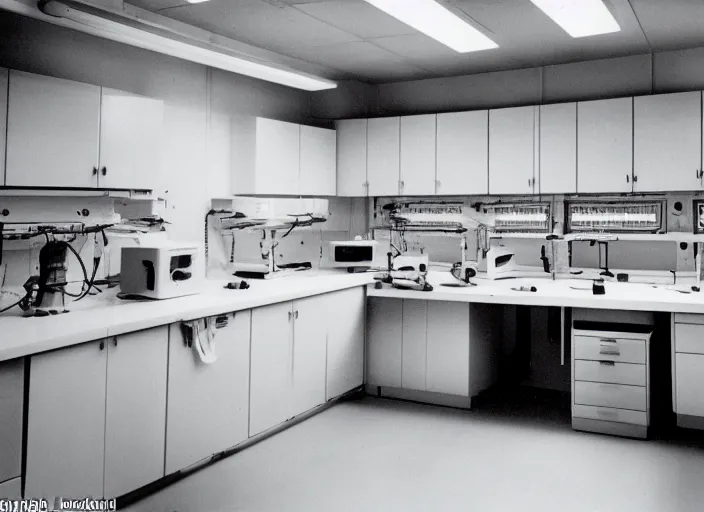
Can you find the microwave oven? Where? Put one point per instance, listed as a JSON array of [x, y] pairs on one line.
[[352, 254]]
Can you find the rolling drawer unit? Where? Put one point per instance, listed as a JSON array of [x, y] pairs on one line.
[[611, 378]]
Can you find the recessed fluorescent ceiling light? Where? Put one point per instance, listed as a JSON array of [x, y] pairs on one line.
[[196, 1], [434, 20], [580, 18]]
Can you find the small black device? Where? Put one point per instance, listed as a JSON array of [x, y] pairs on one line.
[[598, 287]]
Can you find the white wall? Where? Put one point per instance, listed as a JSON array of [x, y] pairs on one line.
[[624, 76]]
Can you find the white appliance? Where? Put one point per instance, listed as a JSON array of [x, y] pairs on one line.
[[160, 271], [500, 263], [351, 254]]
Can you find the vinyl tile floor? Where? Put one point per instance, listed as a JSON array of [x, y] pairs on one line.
[[383, 455]]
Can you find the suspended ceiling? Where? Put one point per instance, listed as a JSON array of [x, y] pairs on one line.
[[351, 39]]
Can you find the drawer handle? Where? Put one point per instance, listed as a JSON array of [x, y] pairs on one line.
[[607, 363], [609, 348], [608, 414], [608, 340]]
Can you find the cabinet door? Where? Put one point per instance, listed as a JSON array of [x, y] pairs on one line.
[[352, 157], [463, 153], [558, 148], [605, 145], [318, 167], [383, 157], [667, 143], [130, 140], [66, 422], [345, 352], [52, 132], [277, 157], [415, 317], [418, 155], [135, 410], [511, 150], [11, 418], [385, 342], [3, 122], [448, 348], [208, 403], [309, 345], [270, 380], [689, 371]]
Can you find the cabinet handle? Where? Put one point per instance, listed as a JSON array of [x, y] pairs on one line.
[[104, 170], [289, 316], [628, 178], [437, 184], [102, 345], [401, 184], [607, 363], [296, 315], [95, 171], [635, 179], [114, 341]]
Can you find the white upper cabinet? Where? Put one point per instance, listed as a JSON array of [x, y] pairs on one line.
[[3, 121], [277, 157], [558, 148], [418, 155], [667, 144], [130, 141], [318, 175], [53, 129], [351, 157], [383, 157], [605, 145], [462, 153], [512, 150]]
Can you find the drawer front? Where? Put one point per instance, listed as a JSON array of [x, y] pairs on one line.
[[689, 338], [609, 349], [689, 318], [610, 395], [610, 414], [689, 384], [610, 372]]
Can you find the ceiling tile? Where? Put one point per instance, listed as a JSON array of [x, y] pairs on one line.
[[356, 17], [261, 24], [416, 45], [671, 24]]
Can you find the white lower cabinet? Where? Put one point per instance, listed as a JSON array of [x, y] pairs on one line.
[[434, 346], [689, 384], [447, 348], [66, 422], [288, 361], [345, 347], [414, 327], [384, 341], [309, 359], [207, 403], [135, 410], [12, 489], [11, 418], [270, 366]]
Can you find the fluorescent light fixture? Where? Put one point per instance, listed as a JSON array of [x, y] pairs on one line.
[[580, 18], [116, 28], [434, 20], [196, 1]]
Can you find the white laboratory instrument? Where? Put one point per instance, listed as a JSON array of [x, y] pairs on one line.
[[160, 271], [271, 216]]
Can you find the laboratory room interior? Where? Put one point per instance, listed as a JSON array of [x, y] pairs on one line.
[[351, 255]]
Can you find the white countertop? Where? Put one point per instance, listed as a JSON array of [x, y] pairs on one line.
[[625, 296], [108, 316]]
